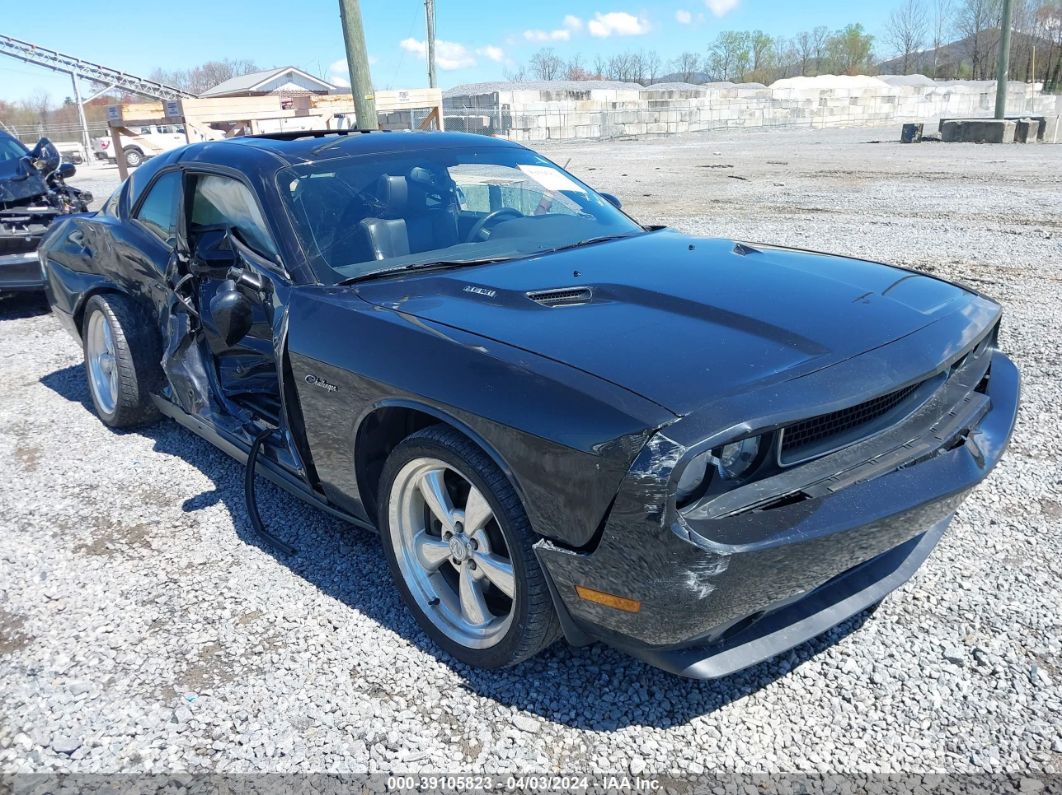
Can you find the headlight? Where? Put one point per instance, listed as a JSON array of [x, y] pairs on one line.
[[692, 477], [737, 458]]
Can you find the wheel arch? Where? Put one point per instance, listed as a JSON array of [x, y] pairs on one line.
[[103, 288], [380, 429]]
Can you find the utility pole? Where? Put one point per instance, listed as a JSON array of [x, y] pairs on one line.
[[358, 65], [429, 12], [1003, 66]]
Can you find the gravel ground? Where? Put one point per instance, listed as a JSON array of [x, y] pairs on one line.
[[143, 629]]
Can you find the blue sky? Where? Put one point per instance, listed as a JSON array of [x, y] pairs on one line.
[[478, 40]]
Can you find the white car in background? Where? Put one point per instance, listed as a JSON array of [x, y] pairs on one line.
[[140, 143]]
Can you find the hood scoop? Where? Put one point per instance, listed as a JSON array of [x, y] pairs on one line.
[[562, 296]]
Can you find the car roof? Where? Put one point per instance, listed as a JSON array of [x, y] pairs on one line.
[[302, 147], [263, 155]]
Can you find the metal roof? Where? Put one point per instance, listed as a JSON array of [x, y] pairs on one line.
[[250, 82]]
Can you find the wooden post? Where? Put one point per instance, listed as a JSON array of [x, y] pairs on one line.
[[119, 156]]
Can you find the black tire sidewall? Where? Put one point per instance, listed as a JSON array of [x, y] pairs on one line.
[[514, 527], [133, 153], [134, 349]]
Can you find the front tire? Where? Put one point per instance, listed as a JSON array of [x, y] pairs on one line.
[[122, 358], [459, 546]]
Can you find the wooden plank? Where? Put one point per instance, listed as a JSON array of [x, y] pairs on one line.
[[119, 157]]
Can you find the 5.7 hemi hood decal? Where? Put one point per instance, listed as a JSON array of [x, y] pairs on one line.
[[682, 320]]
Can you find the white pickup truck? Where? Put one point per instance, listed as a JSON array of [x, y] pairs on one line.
[[140, 143]]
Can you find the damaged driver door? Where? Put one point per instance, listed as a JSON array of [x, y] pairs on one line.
[[241, 292]]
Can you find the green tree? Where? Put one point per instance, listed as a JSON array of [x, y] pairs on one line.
[[850, 51]]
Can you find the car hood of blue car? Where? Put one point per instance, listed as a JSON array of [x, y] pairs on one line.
[[680, 320], [19, 181]]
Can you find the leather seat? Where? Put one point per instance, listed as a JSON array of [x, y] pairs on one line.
[[415, 219]]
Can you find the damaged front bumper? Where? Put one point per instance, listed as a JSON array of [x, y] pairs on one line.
[[743, 579], [20, 236]]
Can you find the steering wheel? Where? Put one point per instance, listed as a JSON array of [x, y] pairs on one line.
[[490, 218]]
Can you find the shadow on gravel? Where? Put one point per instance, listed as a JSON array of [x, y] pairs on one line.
[[593, 688], [15, 306]]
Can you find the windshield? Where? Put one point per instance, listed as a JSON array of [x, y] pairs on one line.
[[363, 214], [11, 149]]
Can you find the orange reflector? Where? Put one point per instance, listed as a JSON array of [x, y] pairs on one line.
[[609, 600]]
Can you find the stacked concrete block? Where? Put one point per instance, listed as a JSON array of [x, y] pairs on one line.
[[558, 111]]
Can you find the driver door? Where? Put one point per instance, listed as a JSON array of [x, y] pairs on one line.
[[228, 237]]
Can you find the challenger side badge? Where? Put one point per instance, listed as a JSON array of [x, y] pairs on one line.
[[320, 383]]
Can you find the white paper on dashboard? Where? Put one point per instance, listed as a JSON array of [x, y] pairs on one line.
[[551, 179]]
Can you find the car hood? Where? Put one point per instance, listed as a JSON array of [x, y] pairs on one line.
[[20, 181], [679, 320]]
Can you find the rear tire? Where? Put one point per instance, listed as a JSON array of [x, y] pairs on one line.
[[122, 355], [471, 579], [133, 157]]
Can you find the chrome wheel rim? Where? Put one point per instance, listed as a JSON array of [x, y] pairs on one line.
[[451, 552], [102, 362]]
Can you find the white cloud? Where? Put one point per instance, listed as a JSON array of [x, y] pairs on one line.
[[449, 55], [560, 34], [491, 52], [572, 24], [620, 23], [721, 7], [683, 16]]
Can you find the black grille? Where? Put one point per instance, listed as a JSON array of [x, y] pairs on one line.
[[817, 429], [563, 297]]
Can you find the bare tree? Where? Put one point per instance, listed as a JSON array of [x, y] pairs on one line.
[[573, 70], [600, 67], [906, 31], [1048, 27], [652, 66], [976, 22], [820, 44], [205, 76], [545, 65], [686, 66], [516, 75], [785, 58], [942, 12], [805, 49]]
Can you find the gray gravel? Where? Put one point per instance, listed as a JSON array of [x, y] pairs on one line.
[[143, 629]]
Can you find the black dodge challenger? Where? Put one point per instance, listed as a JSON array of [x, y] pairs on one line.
[[700, 451]]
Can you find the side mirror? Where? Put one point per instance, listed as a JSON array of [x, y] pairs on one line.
[[67, 170], [231, 313], [613, 200]]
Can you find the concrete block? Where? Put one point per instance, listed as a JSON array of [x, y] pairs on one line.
[[978, 131], [1027, 131], [911, 134]]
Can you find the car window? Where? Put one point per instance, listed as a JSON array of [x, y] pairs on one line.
[[357, 214], [223, 201], [158, 211], [11, 149]]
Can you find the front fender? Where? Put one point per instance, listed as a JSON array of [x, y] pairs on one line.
[[566, 439]]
